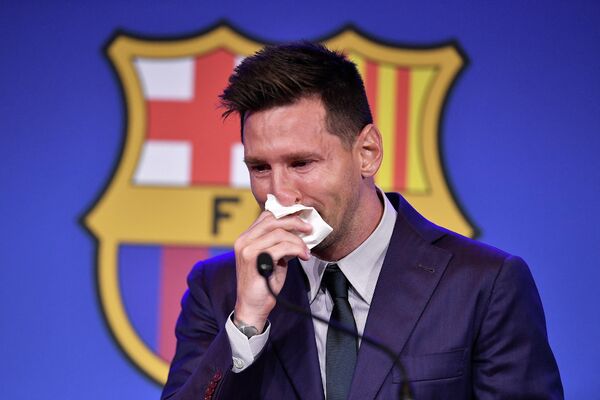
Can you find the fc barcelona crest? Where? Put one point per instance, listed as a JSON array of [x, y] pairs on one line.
[[181, 191]]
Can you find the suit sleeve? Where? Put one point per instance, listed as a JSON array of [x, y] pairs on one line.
[[512, 358], [203, 356]]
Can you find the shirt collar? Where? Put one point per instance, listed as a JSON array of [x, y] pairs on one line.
[[362, 266]]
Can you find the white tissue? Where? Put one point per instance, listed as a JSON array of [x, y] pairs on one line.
[[320, 228]]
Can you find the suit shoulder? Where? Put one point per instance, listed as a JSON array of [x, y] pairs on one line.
[[221, 267], [478, 257], [459, 244], [465, 251], [486, 267]]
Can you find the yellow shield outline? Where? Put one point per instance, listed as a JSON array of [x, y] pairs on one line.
[[179, 213]]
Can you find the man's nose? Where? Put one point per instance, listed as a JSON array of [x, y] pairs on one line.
[[284, 188]]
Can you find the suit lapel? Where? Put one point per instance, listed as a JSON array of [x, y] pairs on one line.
[[293, 337], [408, 278]]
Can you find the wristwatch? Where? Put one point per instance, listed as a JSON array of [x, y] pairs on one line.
[[247, 330]]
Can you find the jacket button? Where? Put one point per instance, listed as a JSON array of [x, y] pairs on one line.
[[238, 363]]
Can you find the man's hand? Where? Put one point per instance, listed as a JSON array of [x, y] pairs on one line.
[[278, 237]]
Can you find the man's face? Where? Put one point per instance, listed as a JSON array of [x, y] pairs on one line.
[[290, 153]]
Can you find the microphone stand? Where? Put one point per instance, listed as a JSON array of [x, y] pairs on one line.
[[264, 265]]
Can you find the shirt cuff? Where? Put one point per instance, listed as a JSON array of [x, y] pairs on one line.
[[243, 350]]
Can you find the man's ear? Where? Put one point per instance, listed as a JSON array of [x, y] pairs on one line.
[[369, 149]]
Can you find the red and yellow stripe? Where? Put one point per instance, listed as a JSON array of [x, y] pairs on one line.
[[397, 97]]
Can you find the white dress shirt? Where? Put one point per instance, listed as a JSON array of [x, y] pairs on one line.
[[361, 268]]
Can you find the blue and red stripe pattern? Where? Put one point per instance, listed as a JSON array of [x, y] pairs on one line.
[[153, 280]]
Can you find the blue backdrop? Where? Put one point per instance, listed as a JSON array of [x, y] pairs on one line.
[[520, 133]]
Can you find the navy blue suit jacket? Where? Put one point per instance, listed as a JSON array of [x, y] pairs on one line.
[[466, 319]]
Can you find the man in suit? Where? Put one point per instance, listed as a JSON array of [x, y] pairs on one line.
[[464, 318]]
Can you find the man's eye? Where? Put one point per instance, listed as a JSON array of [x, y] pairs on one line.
[[300, 163], [259, 168]]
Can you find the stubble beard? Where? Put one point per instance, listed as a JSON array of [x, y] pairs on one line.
[[341, 235]]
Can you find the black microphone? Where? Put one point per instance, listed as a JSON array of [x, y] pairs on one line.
[[265, 267], [264, 264]]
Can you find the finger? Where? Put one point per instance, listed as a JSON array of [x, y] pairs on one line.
[[285, 251], [273, 238], [289, 223], [280, 244], [261, 217]]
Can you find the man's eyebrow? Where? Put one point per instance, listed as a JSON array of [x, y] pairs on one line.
[[303, 155], [288, 157], [253, 161]]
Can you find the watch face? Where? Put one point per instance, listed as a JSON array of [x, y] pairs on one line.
[[248, 330]]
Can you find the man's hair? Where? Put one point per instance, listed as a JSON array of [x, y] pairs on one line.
[[283, 74]]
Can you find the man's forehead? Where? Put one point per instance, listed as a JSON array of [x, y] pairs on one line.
[[297, 121], [312, 97], [309, 98]]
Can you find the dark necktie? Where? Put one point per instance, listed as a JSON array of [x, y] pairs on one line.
[[341, 351]]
